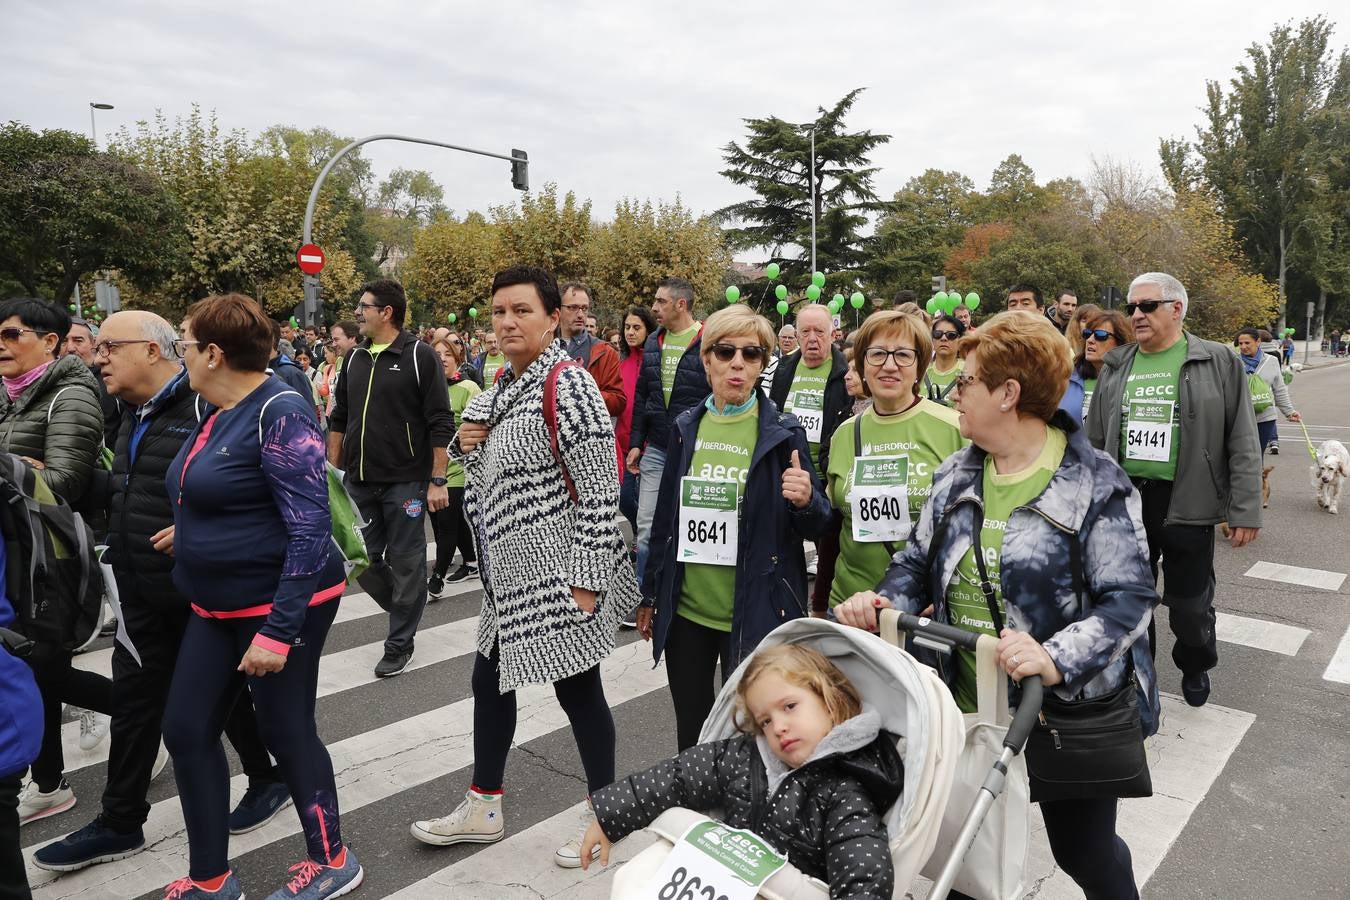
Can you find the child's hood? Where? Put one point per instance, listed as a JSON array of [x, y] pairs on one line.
[[857, 748]]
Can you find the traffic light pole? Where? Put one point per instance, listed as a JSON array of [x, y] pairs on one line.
[[520, 179]]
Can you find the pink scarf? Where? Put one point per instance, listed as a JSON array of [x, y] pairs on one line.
[[16, 386]]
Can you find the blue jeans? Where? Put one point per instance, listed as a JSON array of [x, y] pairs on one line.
[[628, 498], [651, 466], [1268, 433]]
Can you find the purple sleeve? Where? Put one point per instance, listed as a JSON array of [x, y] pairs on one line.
[[293, 462]]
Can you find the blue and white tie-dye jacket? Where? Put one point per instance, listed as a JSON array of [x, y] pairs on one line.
[[1089, 496]]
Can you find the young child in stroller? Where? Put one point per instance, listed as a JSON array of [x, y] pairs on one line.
[[813, 775]]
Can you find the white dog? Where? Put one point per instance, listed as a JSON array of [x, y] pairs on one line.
[[1333, 464]]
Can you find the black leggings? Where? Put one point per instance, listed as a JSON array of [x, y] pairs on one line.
[[582, 697], [13, 878], [692, 654], [451, 531], [205, 685], [60, 682]]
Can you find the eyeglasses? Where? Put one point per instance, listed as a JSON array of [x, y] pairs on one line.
[[727, 352], [965, 381], [1147, 306], [945, 335], [180, 347], [904, 357], [1100, 334], [369, 306], [10, 335], [106, 348], [576, 307]]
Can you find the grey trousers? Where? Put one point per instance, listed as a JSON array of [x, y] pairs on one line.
[[396, 539]]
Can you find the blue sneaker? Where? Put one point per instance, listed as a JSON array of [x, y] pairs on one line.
[[315, 881], [187, 889], [258, 806], [92, 844]]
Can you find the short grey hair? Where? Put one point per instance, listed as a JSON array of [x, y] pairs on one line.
[[1170, 287], [158, 331], [679, 289]]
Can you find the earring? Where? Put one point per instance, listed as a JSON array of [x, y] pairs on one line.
[[213, 365], [1004, 408]]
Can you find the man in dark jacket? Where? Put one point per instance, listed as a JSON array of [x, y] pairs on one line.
[[597, 356], [390, 427], [140, 368], [810, 384], [671, 380], [285, 368]]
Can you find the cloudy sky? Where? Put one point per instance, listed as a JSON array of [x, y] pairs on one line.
[[636, 99]]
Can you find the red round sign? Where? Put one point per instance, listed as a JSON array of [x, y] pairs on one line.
[[310, 259]]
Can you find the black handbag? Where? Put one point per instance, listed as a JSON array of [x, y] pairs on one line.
[[1081, 749]]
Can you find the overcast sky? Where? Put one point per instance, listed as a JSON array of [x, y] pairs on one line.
[[631, 99]]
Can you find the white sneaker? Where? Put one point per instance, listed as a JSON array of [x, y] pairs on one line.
[[34, 804], [161, 760], [478, 820], [93, 727], [568, 856]]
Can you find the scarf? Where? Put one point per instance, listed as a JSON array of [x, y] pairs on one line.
[[731, 410], [1251, 362], [16, 386]]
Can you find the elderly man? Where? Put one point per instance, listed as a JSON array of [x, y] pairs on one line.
[[141, 369], [810, 385], [1174, 411], [787, 340]]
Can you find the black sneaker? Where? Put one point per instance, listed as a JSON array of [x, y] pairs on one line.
[[393, 664], [435, 588], [1274, 448], [94, 843], [463, 573], [1195, 688], [258, 806]]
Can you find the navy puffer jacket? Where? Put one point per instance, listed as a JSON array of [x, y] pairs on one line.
[[652, 418]]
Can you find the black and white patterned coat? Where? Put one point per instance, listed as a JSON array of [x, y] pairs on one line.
[[536, 543]]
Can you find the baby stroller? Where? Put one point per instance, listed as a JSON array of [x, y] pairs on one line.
[[913, 702]]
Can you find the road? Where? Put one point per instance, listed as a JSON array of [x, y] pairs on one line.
[[1251, 791]]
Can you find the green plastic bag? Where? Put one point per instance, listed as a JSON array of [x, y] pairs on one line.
[[1263, 396], [347, 525]]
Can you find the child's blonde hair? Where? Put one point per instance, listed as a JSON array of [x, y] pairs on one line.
[[803, 667]]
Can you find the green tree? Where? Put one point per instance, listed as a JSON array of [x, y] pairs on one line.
[[452, 265], [407, 201], [923, 223], [776, 164], [67, 210], [544, 231], [1013, 193]]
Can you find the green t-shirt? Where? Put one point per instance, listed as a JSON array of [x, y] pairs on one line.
[[377, 349], [927, 434], [722, 451], [672, 351], [806, 401], [1089, 388], [461, 392], [940, 383], [966, 605], [1150, 414], [491, 363]]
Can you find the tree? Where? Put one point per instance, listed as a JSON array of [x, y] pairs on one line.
[[544, 232], [923, 223], [776, 164], [407, 201], [452, 264], [1013, 193], [67, 210]]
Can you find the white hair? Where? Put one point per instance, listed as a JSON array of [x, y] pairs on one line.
[[1170, 287], [156, 330]]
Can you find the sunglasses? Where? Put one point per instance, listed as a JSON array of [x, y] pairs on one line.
[[945, 335], [727, 352], [1147, 306], [1101, 334], [11, 334], [965, 381]]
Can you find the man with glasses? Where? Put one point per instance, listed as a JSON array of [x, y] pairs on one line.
[[598, 357], [672, 379], [491, 360], [141, 367], [390, 427], [1174, 411]]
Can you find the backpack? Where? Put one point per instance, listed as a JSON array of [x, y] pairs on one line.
[[551, 421], [52, 573], [342, 511]]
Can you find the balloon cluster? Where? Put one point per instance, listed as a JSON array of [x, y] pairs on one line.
[[944, 302], [1289, 332], [90, 313]]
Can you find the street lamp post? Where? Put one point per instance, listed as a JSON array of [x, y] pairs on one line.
[[92, 132], [813, 196]]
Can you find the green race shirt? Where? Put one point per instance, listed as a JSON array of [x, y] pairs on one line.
[[966, 605], [377, 349], [1150, 414], [672, 351], [491, 364], [722, 451], [806, 400], [461, 392], [1089, 388], [941, 382], [927, 434]]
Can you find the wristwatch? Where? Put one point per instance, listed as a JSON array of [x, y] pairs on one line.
[[438, 481]]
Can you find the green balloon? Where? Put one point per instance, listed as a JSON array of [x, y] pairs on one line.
[[451, 318], [295, 323], [782, 307], [838, 300], [941, 298], [473, 312], [813, 292], [780, 292], [72, 307], [973, 301], [733, 294], [818, 279], [771, 271], [857, 300], [933, 306]]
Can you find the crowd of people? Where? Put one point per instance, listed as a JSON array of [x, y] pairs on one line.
[[1024, 477]]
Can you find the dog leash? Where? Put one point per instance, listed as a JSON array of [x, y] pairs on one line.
[[1308, 441]]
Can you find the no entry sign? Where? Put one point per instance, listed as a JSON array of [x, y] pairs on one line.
[[310, 259]]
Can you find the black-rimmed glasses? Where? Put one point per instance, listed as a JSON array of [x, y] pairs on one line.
[[904, 356], [945, 335], [106, 348], [180, 347], [1146, 306]]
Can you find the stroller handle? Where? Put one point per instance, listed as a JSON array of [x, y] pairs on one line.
[[949, 636], [1027, 711]]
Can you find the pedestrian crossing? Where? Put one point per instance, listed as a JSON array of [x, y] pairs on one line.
[[401, 749]]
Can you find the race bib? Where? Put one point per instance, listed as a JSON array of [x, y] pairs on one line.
[[809, 408], [1148, 430], [708, 521], [880, 498], [713, 861]]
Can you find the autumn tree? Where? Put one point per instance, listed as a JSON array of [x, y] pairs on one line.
[[544, 231], [452, 265], [922, 224]]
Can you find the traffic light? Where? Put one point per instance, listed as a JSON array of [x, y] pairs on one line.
[[939, 283], [520, 170]]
